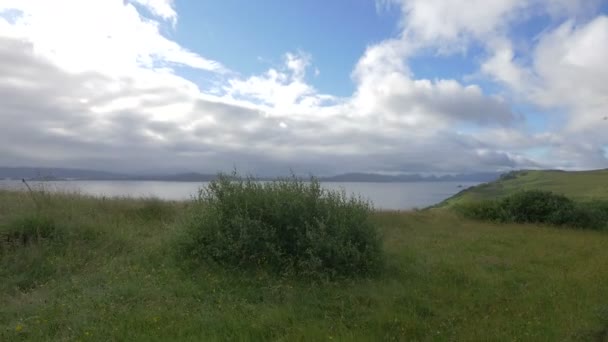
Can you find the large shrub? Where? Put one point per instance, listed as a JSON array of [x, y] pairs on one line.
[[594, 214], [288, 226], [535, 206]]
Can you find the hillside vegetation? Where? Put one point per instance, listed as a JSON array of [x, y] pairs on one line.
[[80, 268], [582, 186]]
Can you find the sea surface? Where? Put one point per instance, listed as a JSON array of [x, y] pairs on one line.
[[384, 196]]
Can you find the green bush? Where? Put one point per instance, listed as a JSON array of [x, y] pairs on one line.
[[153, 209], [287, 226], [534, 206], [27, 230], [509, 175], [485, 210], [595, 213]]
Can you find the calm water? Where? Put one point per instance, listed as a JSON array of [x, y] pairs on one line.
[[388, 196]]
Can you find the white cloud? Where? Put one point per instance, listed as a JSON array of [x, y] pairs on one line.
[[105, 36], [280, 90], [567, 76], [98, 89], [450, 25], [570, 63], [503, 67], [298, 64], [388, 90], [161, 8], [564, 75]]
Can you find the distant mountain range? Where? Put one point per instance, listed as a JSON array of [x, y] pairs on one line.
[[42, 173], [378, 178], [34, 173]]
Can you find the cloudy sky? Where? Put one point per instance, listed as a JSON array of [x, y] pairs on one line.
[[318, 86]]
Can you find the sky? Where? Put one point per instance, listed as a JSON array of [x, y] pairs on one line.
[[309, 86]]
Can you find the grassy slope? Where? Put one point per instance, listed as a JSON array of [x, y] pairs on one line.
[[580, 185], [115, 277]]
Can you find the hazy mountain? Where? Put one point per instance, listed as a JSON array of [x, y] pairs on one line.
[[32, 173], [180, 177], [56, 173], [372, 177]]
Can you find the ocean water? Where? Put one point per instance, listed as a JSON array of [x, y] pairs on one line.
[[384, 196]]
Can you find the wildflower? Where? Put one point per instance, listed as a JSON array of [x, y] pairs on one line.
[[19, 327]]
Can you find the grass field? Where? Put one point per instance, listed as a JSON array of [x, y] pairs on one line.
[[111, 273], [580, 186]]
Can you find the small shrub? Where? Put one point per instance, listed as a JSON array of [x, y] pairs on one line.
[[509, 175], [486, 210], [27, 230], [536, 206], [287, 226], [153, 209]]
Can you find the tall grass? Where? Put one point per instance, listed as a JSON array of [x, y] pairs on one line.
[[109, 273]]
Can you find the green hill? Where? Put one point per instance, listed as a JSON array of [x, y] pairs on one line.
[[578, 185]]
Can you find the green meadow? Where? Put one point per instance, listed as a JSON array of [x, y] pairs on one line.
[[95, 269]]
